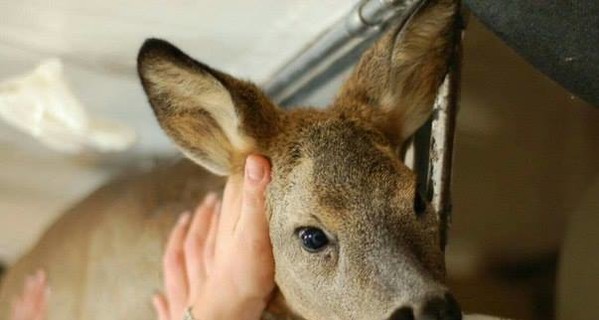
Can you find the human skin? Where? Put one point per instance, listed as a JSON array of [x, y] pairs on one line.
[[217, 261], [32, 303], [221, 264]]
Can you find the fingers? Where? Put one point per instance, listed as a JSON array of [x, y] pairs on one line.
[[252, 220], [33, 301], [252, 230], [195, 243], [231, 207], [175, 273], [195, 247], [161, 307], [211, 239], [40, 295], [18, 310]]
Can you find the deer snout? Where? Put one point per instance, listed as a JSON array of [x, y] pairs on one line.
[[437, 308]]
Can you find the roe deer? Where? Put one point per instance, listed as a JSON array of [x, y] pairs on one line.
[[335, 174]]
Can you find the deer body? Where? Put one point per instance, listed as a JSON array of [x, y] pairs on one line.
[[104, 255], [335, 174]]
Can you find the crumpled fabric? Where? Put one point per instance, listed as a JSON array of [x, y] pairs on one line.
[[42, 105]]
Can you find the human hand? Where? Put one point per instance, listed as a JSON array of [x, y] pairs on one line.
[[32, 304], [221, 264]]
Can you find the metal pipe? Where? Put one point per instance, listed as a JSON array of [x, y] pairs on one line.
[[364, 22]]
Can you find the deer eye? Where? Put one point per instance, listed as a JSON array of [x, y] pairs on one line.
[[313, 239], [419, 204]]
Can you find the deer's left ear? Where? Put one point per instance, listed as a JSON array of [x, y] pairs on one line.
[[402, 72], [215, 119]]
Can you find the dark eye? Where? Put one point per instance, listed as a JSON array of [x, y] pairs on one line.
[[313, 239], [419, 204]]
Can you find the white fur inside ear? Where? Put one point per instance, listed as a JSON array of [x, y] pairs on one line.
[[212, 166], [220, 106], [407, 117], [194, 89], [198, 112]]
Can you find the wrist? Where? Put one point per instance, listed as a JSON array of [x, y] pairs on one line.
[[217, 309]]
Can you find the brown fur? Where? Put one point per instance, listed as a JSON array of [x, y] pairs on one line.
[[335, 169]]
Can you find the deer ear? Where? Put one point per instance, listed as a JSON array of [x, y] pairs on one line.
[[213, 118], [401, 73]]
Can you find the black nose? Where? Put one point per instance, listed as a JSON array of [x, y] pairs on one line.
[[404, 313], [438, 308], [445, 308]]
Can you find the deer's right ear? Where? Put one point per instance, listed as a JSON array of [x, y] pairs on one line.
[[214, 119], [401, 73]]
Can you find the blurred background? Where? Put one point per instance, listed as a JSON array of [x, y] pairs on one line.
[[526, 170]]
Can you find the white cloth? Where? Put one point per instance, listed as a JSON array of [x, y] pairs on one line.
[[41, 104]]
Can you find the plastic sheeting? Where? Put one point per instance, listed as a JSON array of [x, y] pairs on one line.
[[41, 104]]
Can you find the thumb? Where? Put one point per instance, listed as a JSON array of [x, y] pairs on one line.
[[253, 208]]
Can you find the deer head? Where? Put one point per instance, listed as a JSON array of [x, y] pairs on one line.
[[352, 239]]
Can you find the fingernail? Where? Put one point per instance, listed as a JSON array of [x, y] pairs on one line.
[[183, 218], [254, 170], [210, 198], [39, 276]]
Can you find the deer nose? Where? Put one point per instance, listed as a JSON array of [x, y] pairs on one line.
[[438, 308], [441, 308], [404, 313]]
